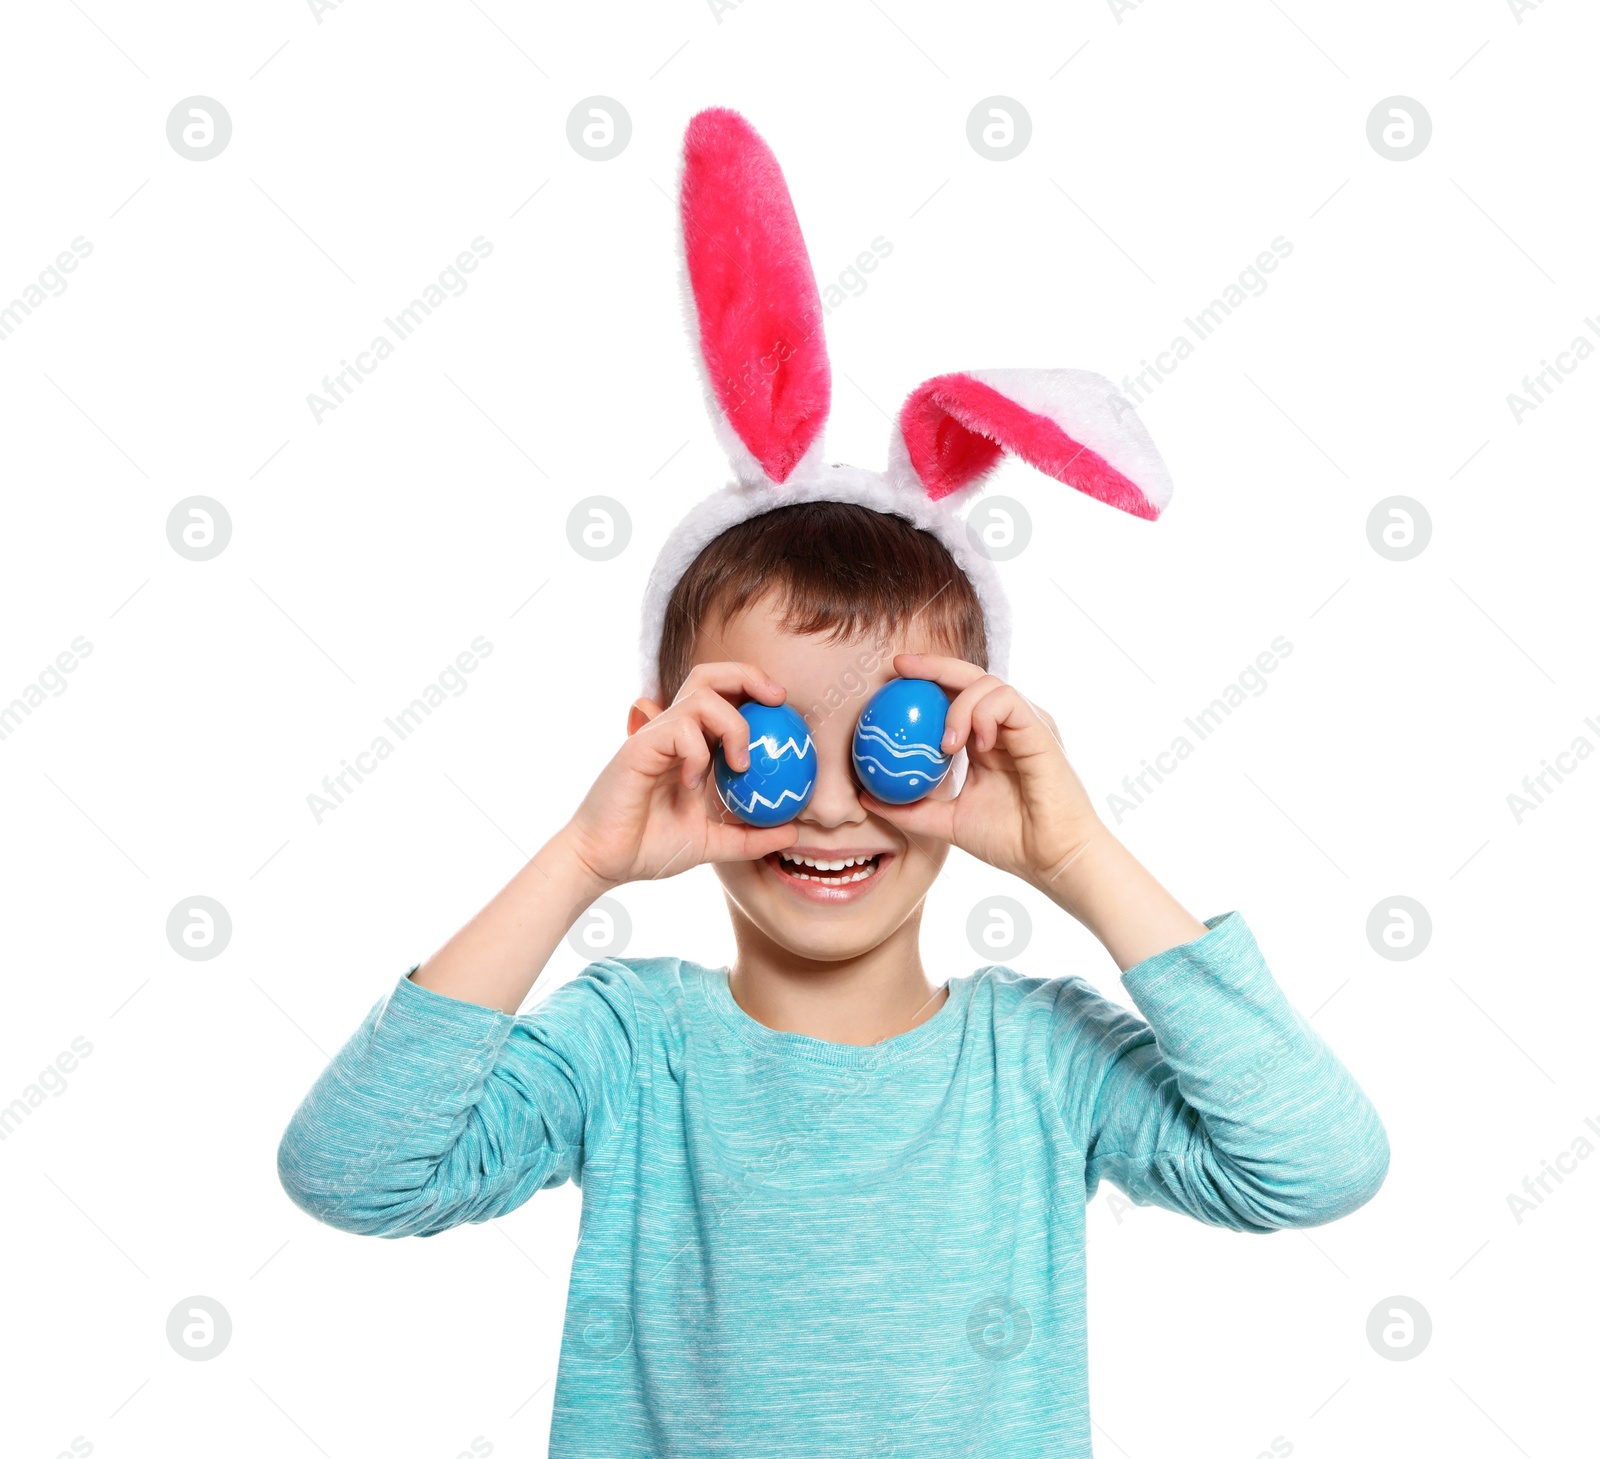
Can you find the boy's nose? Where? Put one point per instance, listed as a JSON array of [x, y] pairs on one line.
[[835, 801]]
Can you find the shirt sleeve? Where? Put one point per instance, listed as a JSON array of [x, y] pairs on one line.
[[438, 1111], [1222, 1102]]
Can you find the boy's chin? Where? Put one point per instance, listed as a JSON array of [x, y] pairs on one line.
[[826, 933], [807, 943], [841, 942]]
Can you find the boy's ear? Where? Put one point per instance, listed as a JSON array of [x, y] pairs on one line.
[[640, 713]]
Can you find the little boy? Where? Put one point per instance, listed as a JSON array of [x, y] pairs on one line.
[[831, 1207]]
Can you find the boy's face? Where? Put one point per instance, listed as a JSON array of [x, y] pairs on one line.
[[813, 913]]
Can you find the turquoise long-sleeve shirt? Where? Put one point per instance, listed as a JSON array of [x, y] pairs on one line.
[[793, 1249]]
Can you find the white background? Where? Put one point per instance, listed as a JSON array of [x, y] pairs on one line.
[[1170, 145]]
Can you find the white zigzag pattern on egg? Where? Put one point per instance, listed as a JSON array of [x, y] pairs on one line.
[[776, 751], [757, 799]]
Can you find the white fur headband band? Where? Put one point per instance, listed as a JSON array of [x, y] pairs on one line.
[[752, 300]]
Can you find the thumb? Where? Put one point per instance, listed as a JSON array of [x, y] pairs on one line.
[[923, 819], [730, 840]]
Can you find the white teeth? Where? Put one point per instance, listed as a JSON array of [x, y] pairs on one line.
[[821, 864], [834, 881]]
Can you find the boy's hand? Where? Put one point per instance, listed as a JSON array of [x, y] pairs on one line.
[[1022, 808], [648, 815]]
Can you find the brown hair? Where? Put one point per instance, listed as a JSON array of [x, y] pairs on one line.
[[833, 566]]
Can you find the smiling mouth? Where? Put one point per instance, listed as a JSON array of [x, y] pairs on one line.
[[819, 874]]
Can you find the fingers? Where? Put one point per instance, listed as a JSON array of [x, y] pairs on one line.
[[719, 720], [734, 680], [971, 686], [710, 693], [984, 705], [952, 674], [690, 748], [999, 708], [691, 727], [668, 741], [1048, 721], [977, 714], [928, 819], [729, 840]]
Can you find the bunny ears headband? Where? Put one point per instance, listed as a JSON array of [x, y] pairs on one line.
[[757, 315]]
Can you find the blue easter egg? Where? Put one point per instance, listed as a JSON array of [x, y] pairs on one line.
[[896, 745], [783, 767]]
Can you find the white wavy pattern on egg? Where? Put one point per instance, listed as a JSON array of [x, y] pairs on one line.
[[882, 740]]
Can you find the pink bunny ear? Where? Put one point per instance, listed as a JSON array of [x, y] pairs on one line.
[[755, 296], [1069, 424]]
